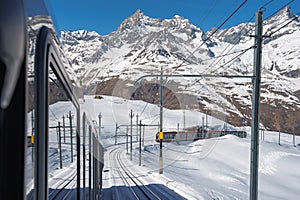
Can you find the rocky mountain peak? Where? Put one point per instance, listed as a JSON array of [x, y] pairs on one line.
[[138, 14], [140, 21], [284, 14], [137, 20]]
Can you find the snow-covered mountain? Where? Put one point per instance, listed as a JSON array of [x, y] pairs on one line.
[[143, 45]]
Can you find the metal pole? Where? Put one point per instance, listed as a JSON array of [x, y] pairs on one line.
[[78, 152], [100, 116], [294, 140], [64, 129], [255, 108], [206, 122], [137, 128], [143, 135], [127, 139], [131, 116], [32, 136], [140, 144], [161, 122], [202, 129], [83, 152], [184, 120], [116, 134], [158, 127], [90, 162], [71, 135], [32, 123], [59, 146], [94, 166]]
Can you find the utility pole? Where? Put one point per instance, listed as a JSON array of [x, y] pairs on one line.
[[83, 153], [32, 136], [131, 115], [59, 146], [100, 116], [143, 135], [161, 123], [294, 142], [140, 144], [64, 129], [127, 139], [90, 161], [71, 135], [202, 130], [206, 120], [184, 120], [116, 133], [137, 128], [255, 107], [32, 123]]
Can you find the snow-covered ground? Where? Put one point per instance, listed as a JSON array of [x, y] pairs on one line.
[[216, 168]]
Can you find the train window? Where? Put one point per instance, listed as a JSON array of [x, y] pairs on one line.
[[53, 110], [62, 154]]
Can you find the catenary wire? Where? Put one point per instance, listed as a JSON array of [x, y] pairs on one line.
[[234, 12], [222, 56], [274, 13], [286, 24]]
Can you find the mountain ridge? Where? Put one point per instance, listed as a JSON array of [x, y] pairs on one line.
[[142, 45]]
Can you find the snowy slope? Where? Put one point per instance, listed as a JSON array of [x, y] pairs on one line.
[[216, 168]]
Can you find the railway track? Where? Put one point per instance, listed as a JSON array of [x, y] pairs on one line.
[[136, 187], [137, 181], [63, 187]]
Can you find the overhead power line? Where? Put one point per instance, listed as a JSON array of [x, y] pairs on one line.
[[274, 13], [233, 13], [222, 55], [285, 25], [227, 54], [266, 3], [234, 58]]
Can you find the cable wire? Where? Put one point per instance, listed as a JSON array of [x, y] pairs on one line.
[[286, 24], [267, 3], [274, 13], [222, 56], [234, 12]]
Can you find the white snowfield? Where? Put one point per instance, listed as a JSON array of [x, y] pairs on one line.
[[216, 168]]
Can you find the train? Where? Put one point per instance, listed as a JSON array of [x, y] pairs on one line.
[[33, 82], [177, 136]]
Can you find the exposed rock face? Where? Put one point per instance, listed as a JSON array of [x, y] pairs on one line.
[[143, 45]]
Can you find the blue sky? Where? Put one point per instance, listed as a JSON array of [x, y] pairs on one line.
[[104, 16]]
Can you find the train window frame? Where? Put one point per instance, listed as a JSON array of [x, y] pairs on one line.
[[47, 57]]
